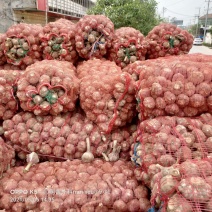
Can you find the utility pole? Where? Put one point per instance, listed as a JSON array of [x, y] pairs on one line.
[[206, 20], [197, 20], [164, 10]]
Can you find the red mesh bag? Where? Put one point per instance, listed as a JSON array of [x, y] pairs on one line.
[[127, 47], [7, 157], [48, 87], [168, 140], [94, 65], [195, 57], [7, 66], [8, 99], [58, 41], [136, 68], [125, 137], [107, 95], [3, 59], [173, 88], [22, 44], [73, 186], [184, 187], [94, 36], [64, 137], [167, 39]]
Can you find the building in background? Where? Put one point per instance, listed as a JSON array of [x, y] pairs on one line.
[[41, 11], [202, 19], [176, 22]]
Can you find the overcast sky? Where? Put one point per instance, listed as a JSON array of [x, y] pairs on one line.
[[183, 9]]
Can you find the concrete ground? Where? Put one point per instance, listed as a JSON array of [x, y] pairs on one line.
[[201, 49]]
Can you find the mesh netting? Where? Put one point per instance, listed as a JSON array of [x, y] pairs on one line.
[[94, 65], [167, 39], [195, 57], [173, 88], [7, 157], [94, 36], [184, 187], [58, 41], [64, 137], [127, 47], [169, 140], [3, 59], [22, 44], [48, 87], [7, 66], [74, 186], [106, 94], [8, 88], [136, 68]]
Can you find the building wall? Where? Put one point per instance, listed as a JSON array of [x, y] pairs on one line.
[[25, 11], [209, 22], [24, 4], [31, 17], [67, 7], [36, 17], [6, 15]]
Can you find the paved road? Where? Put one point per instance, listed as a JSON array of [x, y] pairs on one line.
[[201, 49]]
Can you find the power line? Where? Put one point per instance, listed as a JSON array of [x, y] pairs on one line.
[[179, 13], [175, 3]]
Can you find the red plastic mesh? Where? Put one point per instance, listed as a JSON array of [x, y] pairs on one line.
[[55, 84], [168, 140], [7, 157], [75, 186], [195, 57], [18, 34], [127, 47], [8, 99], [167, 39], [94, 36], [7, 66], [3, 59], [137, 67], [94, 65], [58, 41], [184, 187], [64, 136], [107, 97], [173, 88]]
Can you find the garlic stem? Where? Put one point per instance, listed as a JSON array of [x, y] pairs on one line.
[[32, 159], [88, 156], [88, 144], [104, 138], [114, 155], [26, 169], [105, 156], [114, 146]]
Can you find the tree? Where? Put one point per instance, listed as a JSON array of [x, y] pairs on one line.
[[194, 29], [139, 14]]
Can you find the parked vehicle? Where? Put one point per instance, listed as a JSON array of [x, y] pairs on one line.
[[197, 41]]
